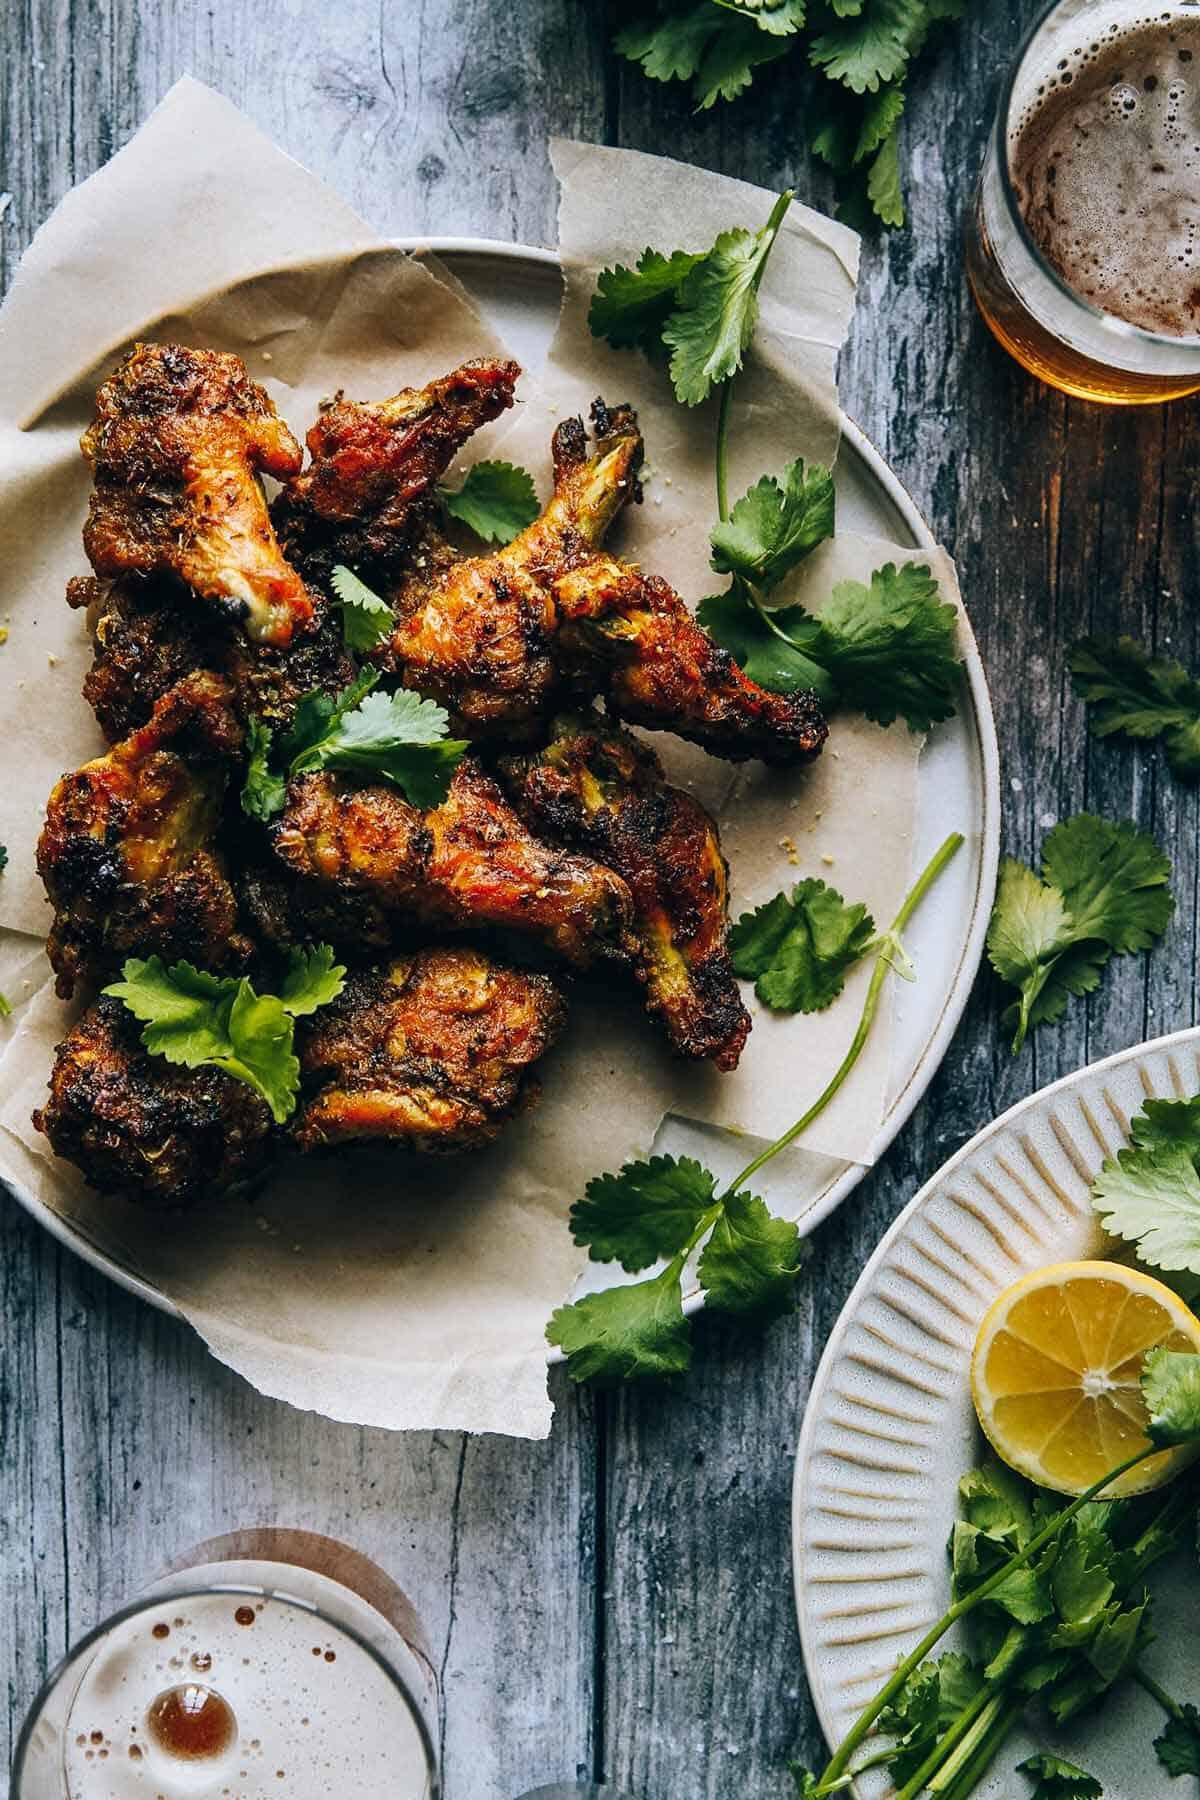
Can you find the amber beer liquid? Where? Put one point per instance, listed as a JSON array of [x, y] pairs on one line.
[[276, 1664], [1083, 249]]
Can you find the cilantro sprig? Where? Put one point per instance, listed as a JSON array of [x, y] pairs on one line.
[[395, 737], [798, 948], [1149, 1193], [1102, 893], [192, 1018], [860, 52], [497, 500], [666, 1209], [1058, 1613], [1132, 694]]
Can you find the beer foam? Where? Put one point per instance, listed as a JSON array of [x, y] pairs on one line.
[[313, 1713], [1104, 151]]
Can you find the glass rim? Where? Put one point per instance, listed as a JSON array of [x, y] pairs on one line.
[[1136, 334], [176, 1596]]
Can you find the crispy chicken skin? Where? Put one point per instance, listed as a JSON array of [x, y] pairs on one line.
[[126, 851], [134, 1124], [596, 787], [469, 863], [431, 1052], [365, 492], [657, 667], [177, 445], [478, 634]]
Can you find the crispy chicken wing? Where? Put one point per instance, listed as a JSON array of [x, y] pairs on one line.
[[597, 787], [432, 1052], [657, 667], [178, 442], [477, 635], [126, 851], [135, 1124], [467, 864], [373, 466]]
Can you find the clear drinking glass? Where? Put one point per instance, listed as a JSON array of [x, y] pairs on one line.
[[1029, 259], [270, 1663]]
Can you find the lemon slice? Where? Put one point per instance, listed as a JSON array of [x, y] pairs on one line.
[[1055, 1374]]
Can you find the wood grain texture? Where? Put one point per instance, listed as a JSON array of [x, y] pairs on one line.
[[618, 1599]]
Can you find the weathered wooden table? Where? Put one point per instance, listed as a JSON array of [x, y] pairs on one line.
[[619, 1599]]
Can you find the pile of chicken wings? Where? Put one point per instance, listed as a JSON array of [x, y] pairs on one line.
[[560, 846]]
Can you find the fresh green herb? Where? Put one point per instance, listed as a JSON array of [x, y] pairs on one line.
[[1055, 1779], [366, 616], [384, 737], [1150, 1193], [192, 1018], [631, 306], [887, 650], [6, 1010], [864, 50], [1103, 893], [773, 527], [799, 947], [670, 1207], [1178, 1746], [497, 500], [1133, 694], [1057, 1610], [3, 856]]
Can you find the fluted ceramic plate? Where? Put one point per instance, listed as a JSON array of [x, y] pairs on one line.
[[890, 1427]]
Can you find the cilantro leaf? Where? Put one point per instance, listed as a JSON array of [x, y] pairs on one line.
[[1171, 1389], [1055, 1779], [3, 856], [192, 1018], [883, 182], [772, 528], [1152, 1199], [798, 948], [366, 616], [716, 309], [1178, 1746], [671, 48], [263, 792], [497, 500], [806, 1782], [870, 46], [890, 648], [651, 1209], [1108, 1655], [630, 306], [1131, 693], [728, 65], [779, 666], [750, 1263], [1103, 892], [625, 1333]]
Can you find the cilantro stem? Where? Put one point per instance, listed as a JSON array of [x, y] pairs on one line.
[[771, 230], [963, 1779], [1171, 1707], [962, 1731], [883, 963], [959, 1609]]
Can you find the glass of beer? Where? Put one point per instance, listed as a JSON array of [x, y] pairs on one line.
[[1083, 247], [273, 1663]]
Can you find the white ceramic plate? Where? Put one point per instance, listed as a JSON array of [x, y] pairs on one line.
[[890, 1427], [518, 289]]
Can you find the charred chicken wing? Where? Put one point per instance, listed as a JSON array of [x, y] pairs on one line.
[[598, 788], [373, 467], [135, 1124], [469, 863], [126, 851], [177, 445], [432, 1052]]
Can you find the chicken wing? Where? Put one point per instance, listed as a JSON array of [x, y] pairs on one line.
[[630, 636], [432, 1052], [468, 864], [178, 442], [598, 788], [126, 852], [478, 634], [135, 1124], [365, 492]]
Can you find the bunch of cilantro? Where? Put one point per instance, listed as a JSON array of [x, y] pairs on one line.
[[1058, 1613], [859, 54], [887, 649]]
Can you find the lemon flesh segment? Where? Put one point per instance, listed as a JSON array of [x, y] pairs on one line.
[[1056, 1374]]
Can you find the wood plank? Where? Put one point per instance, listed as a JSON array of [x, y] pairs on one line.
[[121, 1441]]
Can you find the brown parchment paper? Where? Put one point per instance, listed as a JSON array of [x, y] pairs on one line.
[[396, 1291]]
